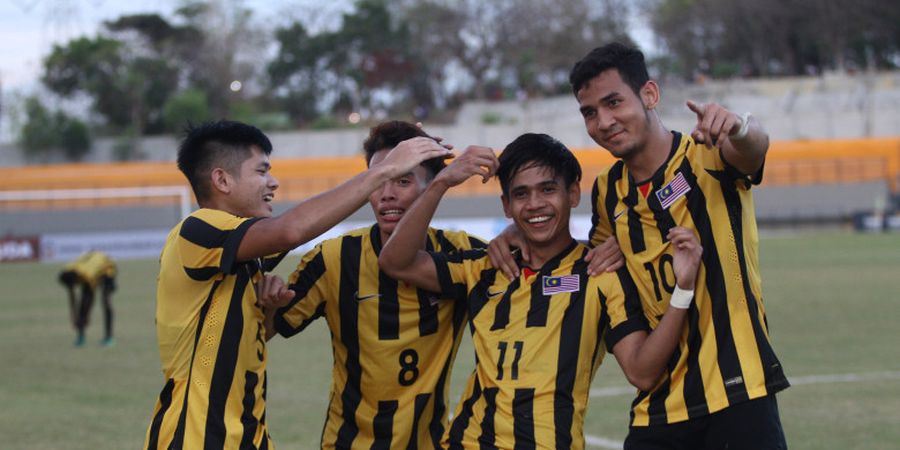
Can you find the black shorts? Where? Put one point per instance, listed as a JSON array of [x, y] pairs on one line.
[[750, 425], [68, 277]]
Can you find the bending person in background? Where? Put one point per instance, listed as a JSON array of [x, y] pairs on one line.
[[210, 326], [537, 337], [92, 270]]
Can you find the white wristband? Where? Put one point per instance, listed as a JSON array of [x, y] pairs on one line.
[[681, 298], [743, 130]]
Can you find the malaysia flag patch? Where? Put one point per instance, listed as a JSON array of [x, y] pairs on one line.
[[673, 191], [556, 285]]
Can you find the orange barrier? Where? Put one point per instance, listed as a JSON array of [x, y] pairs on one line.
[[788, 163]]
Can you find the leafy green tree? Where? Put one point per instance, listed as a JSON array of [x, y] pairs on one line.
[[188, 106], [45, 132]]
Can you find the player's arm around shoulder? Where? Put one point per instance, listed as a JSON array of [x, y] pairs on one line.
[[741, 138], [643, 355]]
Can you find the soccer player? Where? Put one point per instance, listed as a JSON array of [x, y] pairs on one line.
[[537, 336], [719, 390], [91, 271], [393, 344], [209, 325]]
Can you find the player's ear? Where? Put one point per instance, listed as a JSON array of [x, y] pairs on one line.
[[649, 94], [221, 180], [574, 195], [505, 202]]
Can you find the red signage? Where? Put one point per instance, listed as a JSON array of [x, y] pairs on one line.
[[19, 248]]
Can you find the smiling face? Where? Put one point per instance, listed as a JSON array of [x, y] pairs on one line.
[[391, 201], [254, 187], [615, 116], [540, 205]]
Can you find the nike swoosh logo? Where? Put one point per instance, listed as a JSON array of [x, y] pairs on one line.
[[365, 297], [619, 214], [494, 294]]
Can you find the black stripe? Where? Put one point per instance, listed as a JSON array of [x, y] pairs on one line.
[[229, 263], [634, 311], [248, 420], [178, 437], [656, 409], [269, 263], [165, 400], [201, 273], [612, 194], [635, 228], [488, 436], [567, 361], [351, 248], [595, 211], [198, 232], [226, 360], [420, 403], [523, 419], [694, 393], [306, 280], [443, 244], [478, 296], [772, 369], [388, 308], [383, 424], [475, 242], [461, 422], [501, 310], [729, 365]]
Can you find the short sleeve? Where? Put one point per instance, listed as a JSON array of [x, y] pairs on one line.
[[312, 289], [208, 242], [458, 272], [623, 306]]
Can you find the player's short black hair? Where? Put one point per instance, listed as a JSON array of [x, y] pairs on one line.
[[629, 61], [388, 134], [537, 150], [222, 143]]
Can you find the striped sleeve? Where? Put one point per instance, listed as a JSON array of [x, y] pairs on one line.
[[601, 229], [622, 303], [312, 289], [209, 243], [457, 272]]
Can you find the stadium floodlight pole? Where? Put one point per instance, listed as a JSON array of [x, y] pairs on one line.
[[182, 192]]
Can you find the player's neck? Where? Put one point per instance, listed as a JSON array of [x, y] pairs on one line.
[[653, 154], [541, 252]]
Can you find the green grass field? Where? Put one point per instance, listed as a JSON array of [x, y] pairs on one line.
[[833, 303]]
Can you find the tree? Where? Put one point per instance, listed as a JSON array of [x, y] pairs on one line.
[[44, 132]]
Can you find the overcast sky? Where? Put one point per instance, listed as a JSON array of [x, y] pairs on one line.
[[29, 28]]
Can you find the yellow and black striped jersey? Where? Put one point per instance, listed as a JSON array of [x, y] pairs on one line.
[[211, 339], [724, 356], [538, 343], [393, 344], [91, 266]]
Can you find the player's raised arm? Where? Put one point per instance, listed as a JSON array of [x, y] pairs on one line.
[[742, 139], [643, 356], [402, 257], [316, 215]]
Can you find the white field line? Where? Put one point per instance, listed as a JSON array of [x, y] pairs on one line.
[[601, 442]]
